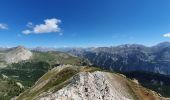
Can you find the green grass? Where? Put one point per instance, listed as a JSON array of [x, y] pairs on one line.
[[145, 78], [26, 72], [54, 58], [9, 89], [57, 80]]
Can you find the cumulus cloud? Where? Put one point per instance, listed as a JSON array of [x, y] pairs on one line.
[[166, 35], [3, 26], [49, 26]]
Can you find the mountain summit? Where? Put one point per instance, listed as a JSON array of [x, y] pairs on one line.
[[17, 54]]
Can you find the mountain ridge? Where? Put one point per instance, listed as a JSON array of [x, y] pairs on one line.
[[86, 83], [130, 57]]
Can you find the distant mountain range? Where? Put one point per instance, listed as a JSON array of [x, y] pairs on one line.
[[129, 57], [124, 58]]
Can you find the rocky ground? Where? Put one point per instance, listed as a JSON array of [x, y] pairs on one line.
[[92, 86], [68, 82]]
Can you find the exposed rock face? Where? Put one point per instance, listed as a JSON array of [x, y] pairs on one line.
[[91, 86], [17, 54], [100, 86]]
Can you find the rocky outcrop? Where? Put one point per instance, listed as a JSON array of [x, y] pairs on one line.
[[17, 54], [100, 86], [91, 86]]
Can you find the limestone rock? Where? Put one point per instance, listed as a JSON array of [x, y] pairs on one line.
[[17, 54]]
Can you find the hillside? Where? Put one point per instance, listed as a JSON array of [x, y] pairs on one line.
[[17, 54], [157, 82], [73, 82], [25, 72], [14, 55]]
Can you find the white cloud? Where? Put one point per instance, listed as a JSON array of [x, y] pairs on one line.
[[50, 25], [3, 26], [27, 32], [166, 35]]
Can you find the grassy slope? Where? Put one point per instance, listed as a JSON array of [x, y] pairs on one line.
[[142, 93], [2, 62], [54, 58], [54, 80], [146, 80], [8, 87], [28, 72]]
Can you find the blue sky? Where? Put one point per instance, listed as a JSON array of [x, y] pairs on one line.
[[83, 23]]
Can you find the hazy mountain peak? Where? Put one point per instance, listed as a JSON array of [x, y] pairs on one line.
[[17, 54], [20, 47], [163, 44]]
